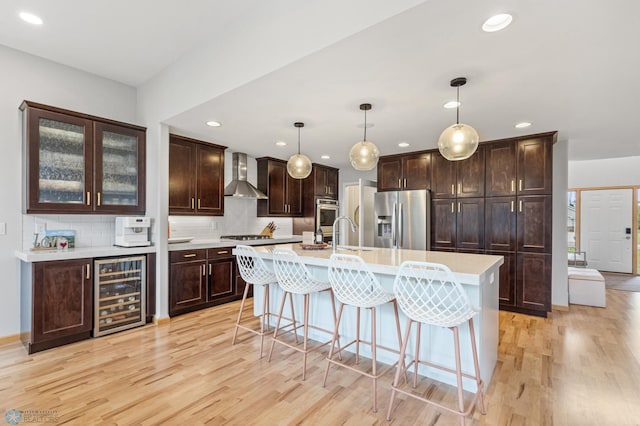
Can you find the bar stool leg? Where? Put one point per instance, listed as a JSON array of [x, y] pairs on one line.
[[333, 341], [244, 299], [306, 334], [456, 342], [293, 317], [399, 369], [275, 332], [358, 335], [265, 315], [476, 365], [373, 359], [335, 321], [416, 358]]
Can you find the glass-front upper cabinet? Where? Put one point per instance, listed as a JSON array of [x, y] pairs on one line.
[[75, 163]]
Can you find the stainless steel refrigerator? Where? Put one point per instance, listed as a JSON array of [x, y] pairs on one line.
[[402, 219]]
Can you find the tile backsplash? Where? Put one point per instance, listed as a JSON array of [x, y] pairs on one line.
[[91, 230]]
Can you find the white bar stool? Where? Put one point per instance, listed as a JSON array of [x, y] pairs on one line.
[[255, 272], [355, 285], [428, 293], [294, 278]]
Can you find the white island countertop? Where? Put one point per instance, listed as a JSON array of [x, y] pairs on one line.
[[217, 242], [468, 268]]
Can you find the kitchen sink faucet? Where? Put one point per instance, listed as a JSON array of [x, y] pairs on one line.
[[334, 240]]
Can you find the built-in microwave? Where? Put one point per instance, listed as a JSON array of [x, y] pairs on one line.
[[326, 214]]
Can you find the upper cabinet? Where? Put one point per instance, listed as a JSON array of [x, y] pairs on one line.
[[325, 181], [284, 192], [76, 163], [404, 172], [458, 179], [196, 177], [523, 167]]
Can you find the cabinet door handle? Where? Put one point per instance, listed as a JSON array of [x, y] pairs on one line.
[[512, 202], [399, 183], [513, 185], [204, 271], [193, 203], [405, 182], [190, 255], [458, 206], [453, 189], [459, 188], [520, 206], [520, 185], [88, 275], [209, 269], [99, 199], [452, 208], [198, 202], [223, 252], [88, 198]]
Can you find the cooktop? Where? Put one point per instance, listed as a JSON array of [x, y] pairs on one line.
[[245, 237]]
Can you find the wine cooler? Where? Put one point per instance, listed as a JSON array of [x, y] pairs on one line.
[[120, 285]]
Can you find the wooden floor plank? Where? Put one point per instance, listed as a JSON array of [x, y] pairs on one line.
[[580, 366]]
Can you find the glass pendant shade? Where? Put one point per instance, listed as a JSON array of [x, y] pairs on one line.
[[364, 155], [458, 142], [299, 166]]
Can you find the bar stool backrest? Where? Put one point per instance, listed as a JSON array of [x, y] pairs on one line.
[[293, 276], [429, 293], [252, 268], [353, 282]]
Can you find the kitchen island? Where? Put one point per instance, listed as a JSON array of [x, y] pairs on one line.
[[477, 273]]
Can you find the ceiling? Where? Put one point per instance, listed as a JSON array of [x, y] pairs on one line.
[[567, 66]]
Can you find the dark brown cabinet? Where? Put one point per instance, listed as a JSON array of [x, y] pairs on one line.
[[77, 163], [507, 291], [196, 177], [458, 179], [533, 283], [457, 224], [404, 172], [443, 224], [200, 278], [534, 224], [59, 309], [284, 192], [500, 224], [324, 181], [500, 158]]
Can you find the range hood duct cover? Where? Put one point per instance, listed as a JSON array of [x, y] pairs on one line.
[[239, 187]]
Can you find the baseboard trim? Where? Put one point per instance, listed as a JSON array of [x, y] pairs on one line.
[[161, 321], [9, 339], [560, 308]]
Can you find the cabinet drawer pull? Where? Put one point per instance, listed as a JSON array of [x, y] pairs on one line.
[[223, 252], [512, 203], [513, 185], [520, 185], [99, 199], [193, 203], [88, 271], [88, 198], [453, 189], [520, 206], [209, 269], [190, 255]]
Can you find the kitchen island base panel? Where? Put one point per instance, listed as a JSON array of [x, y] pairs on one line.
[[436, 342]]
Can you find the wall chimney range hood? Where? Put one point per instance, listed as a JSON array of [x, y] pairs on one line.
[[239, 187]]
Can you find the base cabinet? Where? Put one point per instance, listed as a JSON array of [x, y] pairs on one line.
[[200, 278], [56, 303]]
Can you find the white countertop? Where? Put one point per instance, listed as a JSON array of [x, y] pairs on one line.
[[214, 243], [81, 252], [469, 268]]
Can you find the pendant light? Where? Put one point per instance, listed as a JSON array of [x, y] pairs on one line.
[[299, 165], [364, 154], [459, 141]]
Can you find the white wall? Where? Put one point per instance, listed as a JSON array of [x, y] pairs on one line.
[[560, 284], [604, 173], [28, 77]]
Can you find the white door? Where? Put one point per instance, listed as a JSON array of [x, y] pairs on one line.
[[606, 218]]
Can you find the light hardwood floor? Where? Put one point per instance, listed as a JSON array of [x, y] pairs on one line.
[[580, 367]]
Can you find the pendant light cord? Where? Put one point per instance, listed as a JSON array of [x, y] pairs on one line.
[[365, 126], [458, 105], [298, 140]]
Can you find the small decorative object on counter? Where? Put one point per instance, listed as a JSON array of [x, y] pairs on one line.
[[269, 230], [319, 236]]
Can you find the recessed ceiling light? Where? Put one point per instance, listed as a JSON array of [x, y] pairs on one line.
[[325, 157], [30, 18], [497, 22], [403, 144], [281, 143], [214, 124], [523, 125], [452, 104]]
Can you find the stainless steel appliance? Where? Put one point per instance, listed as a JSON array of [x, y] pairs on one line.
[[326, 214], [120, 294], [246, 237], [402, 219], [132, 231]]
